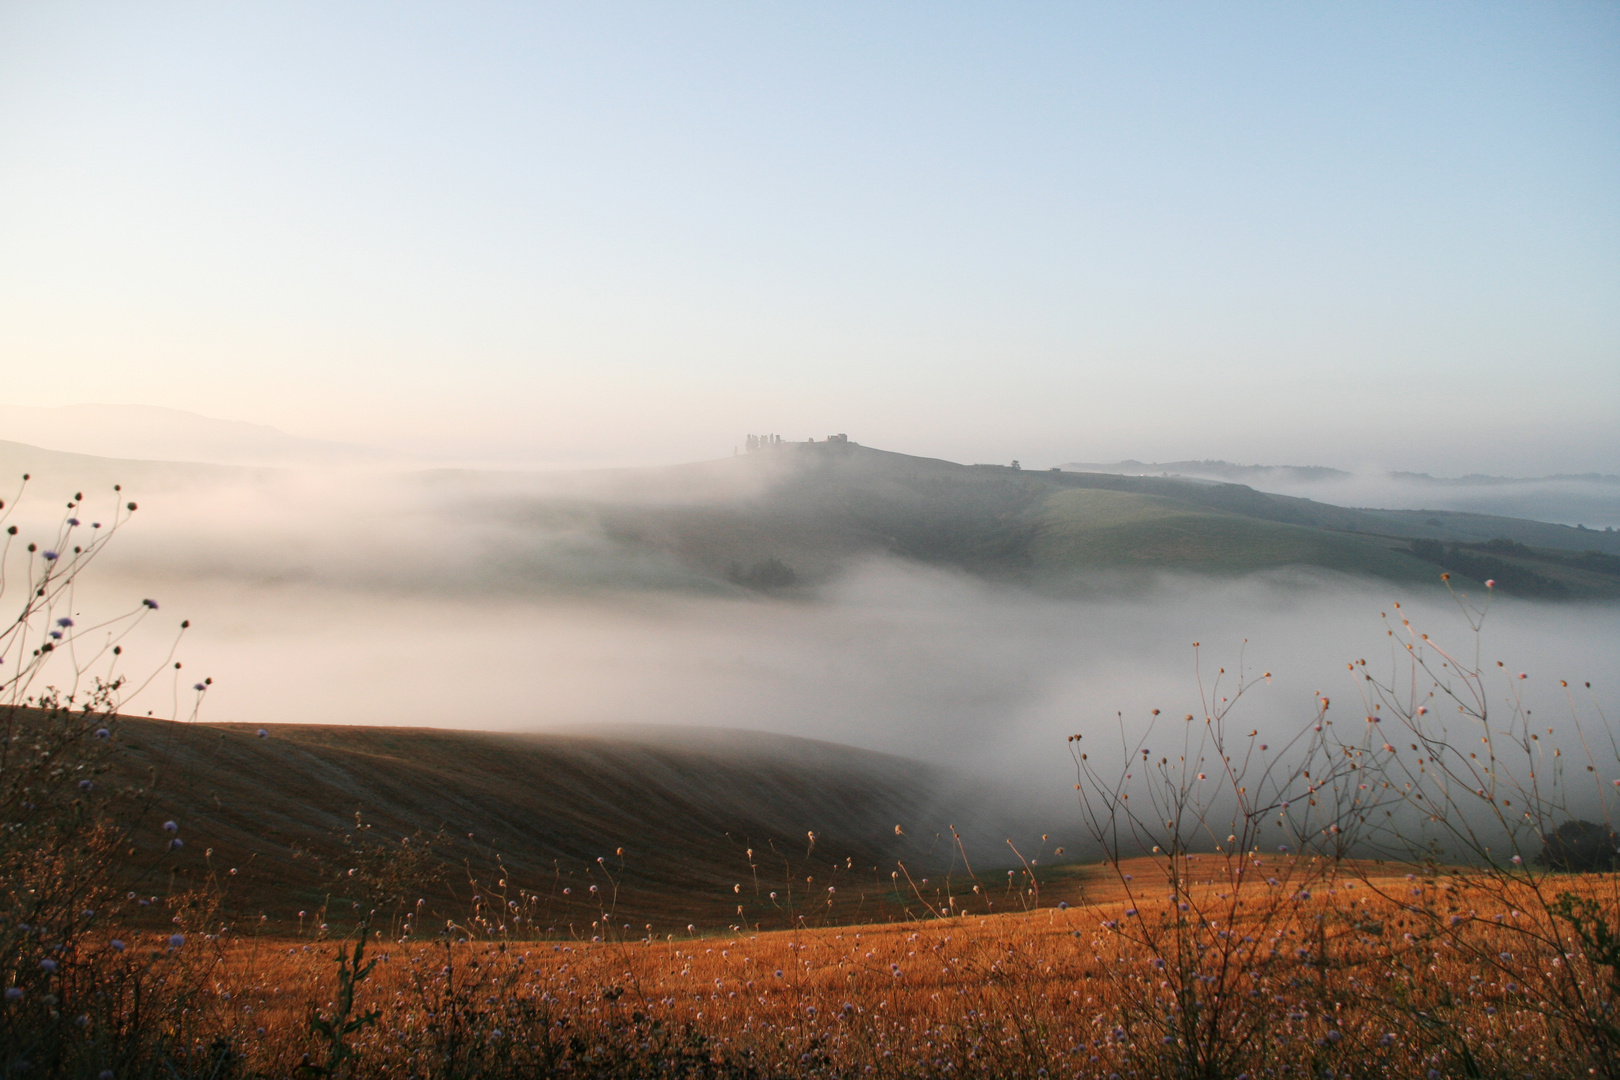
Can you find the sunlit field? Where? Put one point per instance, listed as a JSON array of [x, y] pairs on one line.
[[1342, 970]]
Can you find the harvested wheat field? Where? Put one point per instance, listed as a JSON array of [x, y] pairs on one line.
[[677, 826], [1304, 968]]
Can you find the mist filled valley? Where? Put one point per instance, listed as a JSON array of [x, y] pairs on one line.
[[968, 617], [807, 687], [809, 541], [810, 687]]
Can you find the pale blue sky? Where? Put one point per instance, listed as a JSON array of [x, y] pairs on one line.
[[1338, 234]]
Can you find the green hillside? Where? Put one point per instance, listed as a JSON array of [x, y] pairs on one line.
[[1095, 527], [798, 515], [825, 505]]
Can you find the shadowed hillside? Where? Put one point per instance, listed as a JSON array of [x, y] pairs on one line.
[[671, 814]]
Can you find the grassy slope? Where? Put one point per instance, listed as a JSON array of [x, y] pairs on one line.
[[685, 805], [839, 503], [827, 504], [1427, 524], [1095, 527]]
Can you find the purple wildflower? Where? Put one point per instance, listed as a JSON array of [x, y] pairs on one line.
[[176, 940]]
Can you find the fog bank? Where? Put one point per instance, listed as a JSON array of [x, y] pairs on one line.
[[1592, 500], [464, 600]]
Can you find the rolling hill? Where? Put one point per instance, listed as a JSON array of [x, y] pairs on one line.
[[814, 507], [661, 821], [796, 515], [1098, 526]]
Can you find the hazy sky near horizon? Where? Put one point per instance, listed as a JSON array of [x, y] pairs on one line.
[[1348, 235]]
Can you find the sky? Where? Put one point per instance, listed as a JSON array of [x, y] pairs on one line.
[[1358, 234]]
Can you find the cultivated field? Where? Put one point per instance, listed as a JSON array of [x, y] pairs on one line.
[[1371, 971], [677, 816]]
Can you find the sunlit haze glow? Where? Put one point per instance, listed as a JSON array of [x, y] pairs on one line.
[[1349, 235]]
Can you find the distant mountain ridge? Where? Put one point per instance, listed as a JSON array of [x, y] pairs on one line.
[[153, 433], [1215, 468], [1485, 478]]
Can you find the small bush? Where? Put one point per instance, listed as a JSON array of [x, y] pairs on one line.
[[1581, 847], [764, 575]]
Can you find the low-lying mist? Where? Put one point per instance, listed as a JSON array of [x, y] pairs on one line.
[[461, 601], [1590, 500], [1564, 500]]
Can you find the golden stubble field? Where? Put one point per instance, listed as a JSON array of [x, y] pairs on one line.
[[1342, 970]]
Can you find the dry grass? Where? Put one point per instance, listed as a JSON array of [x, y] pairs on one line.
[[1361, 979]]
